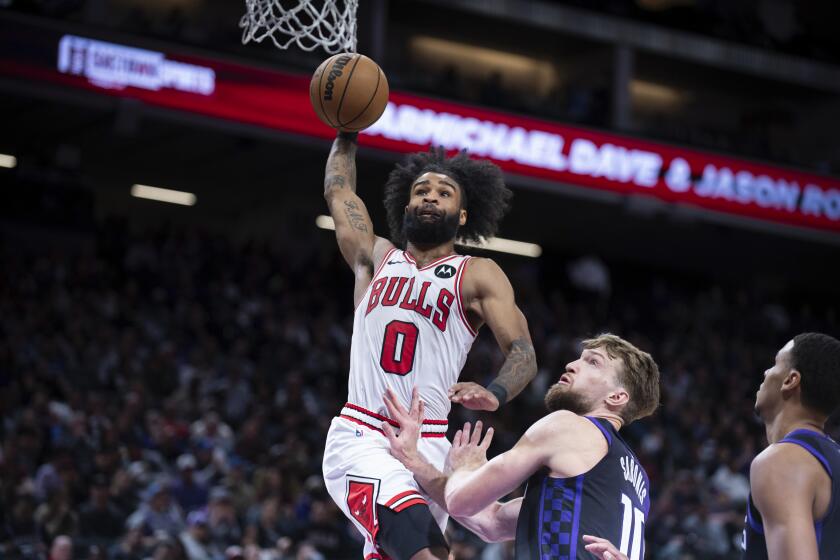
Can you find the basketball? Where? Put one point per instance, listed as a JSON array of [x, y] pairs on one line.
[[349, 92]]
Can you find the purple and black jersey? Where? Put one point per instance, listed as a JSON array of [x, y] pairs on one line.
[[611, 500], [827, 452]]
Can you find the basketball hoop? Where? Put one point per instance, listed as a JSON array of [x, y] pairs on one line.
[[330, 24]]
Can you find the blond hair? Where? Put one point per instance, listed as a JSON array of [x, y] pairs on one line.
[[638, 373]]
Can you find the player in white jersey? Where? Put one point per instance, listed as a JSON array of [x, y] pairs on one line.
[[418, 306]]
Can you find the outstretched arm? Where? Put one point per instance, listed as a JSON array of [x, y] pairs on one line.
[[565, 443], [783, 485], [496, 522], [475, 485], [353, 228], [488, 295], [471, 483]]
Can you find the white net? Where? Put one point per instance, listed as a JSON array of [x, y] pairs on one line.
[[330, 24]]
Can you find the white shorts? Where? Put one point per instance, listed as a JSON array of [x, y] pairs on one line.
[[359, 471]]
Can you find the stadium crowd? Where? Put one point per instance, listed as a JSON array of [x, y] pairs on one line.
[[167, 394]]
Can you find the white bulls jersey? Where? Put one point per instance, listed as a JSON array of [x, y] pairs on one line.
[[410, 330]]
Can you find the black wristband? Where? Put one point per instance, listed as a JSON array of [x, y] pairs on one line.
[[499, 391], [352, 136]]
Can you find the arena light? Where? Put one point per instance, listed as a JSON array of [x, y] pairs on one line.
[[502, 245], [498, 244], [481, 61], [163, 195], [651, 94], [325, 222], [7, 161]]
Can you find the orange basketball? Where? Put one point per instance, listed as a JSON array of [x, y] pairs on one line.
[[349, 92]]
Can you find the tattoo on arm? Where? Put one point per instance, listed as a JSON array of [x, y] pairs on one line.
[[341, 166], [519, 368], [356, 218], [334, 182]]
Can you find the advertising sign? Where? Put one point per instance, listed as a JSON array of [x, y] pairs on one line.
[[524, 146]]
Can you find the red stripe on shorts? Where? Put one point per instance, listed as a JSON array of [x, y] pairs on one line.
[[372, 427], [373, 414], [400, 496], [365, 424]]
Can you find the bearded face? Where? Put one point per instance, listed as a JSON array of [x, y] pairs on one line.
[[428, 225], [433, 213], [562, 396]]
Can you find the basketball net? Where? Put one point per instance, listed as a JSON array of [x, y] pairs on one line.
[[330, 24]]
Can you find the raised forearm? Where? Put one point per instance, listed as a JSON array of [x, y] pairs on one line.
[[496, 522], [486, 524], [468, 492], [519, 368], [429, 478], [341, 164], [353, 227]]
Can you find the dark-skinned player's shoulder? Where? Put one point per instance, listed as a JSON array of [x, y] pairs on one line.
[[485, 272]]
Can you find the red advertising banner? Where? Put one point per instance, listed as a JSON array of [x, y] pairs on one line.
[[520, 145]]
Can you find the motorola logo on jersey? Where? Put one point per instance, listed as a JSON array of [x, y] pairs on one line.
[[445, 271], [397, 290]]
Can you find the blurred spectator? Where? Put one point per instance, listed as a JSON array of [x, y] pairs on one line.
[[57, 516], [208, 459], [234, 553], [130, 547], [732, 484], [100, 521], [196, 538], [306, 551], [122, 493], [236, 482], [212, 429], [327, 530], [20, 533], [48, 479], [222, 523], [62, 548], [267, 525], [157, 512], [105, 458], [97, 552], [189, 493], [167, 548]]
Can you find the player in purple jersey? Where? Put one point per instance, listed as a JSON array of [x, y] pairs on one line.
[[582, 477], [792, 512]]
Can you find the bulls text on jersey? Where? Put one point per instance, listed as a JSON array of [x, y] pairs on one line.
[[397, 290]]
